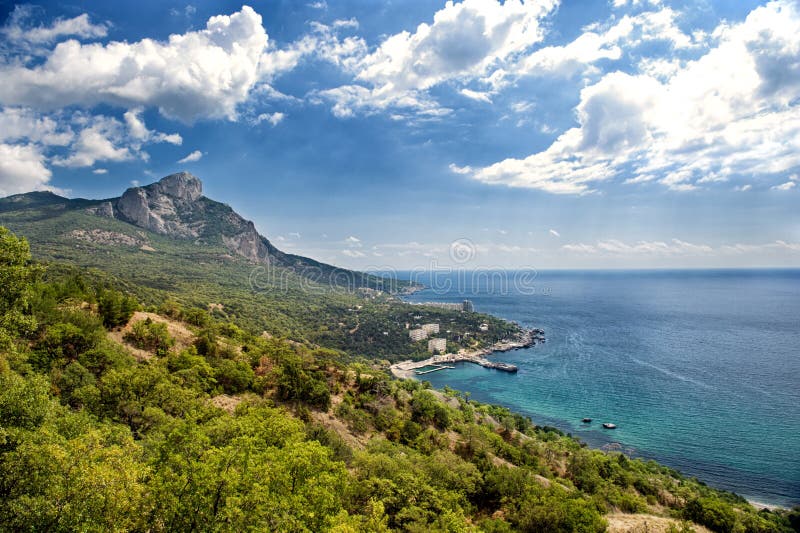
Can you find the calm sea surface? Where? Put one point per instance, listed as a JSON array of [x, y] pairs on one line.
[[700, 370]]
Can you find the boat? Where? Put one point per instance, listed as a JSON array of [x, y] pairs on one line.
[[587, 420], [609, 425]]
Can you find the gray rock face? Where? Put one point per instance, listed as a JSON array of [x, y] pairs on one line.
[[175, 206], [181, 186], [104, 209], [248, 243], [159, 207]]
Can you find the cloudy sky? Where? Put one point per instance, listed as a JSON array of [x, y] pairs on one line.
[[544, 134]]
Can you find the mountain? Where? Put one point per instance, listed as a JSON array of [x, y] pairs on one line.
[[175, 207], [167, 242]]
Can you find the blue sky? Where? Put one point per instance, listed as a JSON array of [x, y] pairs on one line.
[[543, 134]]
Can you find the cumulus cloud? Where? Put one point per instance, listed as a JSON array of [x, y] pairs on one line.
[[21, 124], [33, 141], [139, 132], [272, 118], [22, 169], [554, 233], [198, 74], [733, 111], [192, 158], [101, 140], [463, 42]]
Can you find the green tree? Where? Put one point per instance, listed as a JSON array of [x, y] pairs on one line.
[[17, 276]]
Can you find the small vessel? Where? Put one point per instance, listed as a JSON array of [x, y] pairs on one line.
[[587, 420], [609, 425]]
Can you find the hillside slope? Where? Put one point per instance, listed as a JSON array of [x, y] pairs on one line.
[[168, 242], [113, 419]]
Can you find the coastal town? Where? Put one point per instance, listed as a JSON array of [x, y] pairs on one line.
[[442, 360]]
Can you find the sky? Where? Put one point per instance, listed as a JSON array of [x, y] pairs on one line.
[[424, 134]]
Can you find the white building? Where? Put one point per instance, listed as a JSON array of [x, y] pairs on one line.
[[417, 334], [431, 328], [437, 345], [484, 327]]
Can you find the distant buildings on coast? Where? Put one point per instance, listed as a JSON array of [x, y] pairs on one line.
[[466, 306], [418, 334], [423, 331], [437, 345]]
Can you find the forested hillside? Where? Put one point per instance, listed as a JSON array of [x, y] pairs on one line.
[[120, 417], [194, 261]]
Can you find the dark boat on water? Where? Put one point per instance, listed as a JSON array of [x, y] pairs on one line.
[[609, 425], [587, 420]]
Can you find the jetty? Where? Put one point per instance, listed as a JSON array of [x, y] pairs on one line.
[[443, 362], [526, 339]]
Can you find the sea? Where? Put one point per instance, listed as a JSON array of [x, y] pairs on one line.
[[699, 369]]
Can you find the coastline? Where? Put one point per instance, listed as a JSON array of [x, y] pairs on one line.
[[768, 506], [407, 369]]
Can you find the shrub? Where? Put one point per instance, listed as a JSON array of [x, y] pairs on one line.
[[151, 336], [714, 514]]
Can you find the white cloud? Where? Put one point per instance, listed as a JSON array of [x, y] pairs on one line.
[[353, 253], [625, 3], [656, 248], [554, 233], [353, 242], [743, 188], [318, 5], [777, 246], [459, 170], [100, 171], [598, 42], [193, 157], [204, 73], [18, 124], [464, 41], [734, 111], [88, 138], [789, 185], [139, 132], [273, 118], [22, 169], [103, 139], [477, 95], [19, 30]]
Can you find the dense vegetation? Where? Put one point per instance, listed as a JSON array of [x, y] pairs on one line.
[[155, 268], [112, 419]]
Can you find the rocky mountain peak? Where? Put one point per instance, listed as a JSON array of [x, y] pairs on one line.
[[181, 185], [163, 206]]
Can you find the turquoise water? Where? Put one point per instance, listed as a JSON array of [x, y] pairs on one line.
[[700, 370]]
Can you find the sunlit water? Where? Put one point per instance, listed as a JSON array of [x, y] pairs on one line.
[[699, 369]]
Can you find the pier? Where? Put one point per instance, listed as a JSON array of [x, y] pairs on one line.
[[443, 362], [435, 369]]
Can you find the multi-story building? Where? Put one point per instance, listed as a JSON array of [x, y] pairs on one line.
[[417, 334], [467, 306], [431, 328], [437, 345]]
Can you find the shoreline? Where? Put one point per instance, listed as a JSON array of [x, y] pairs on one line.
[[768, 506], [406, 369]]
